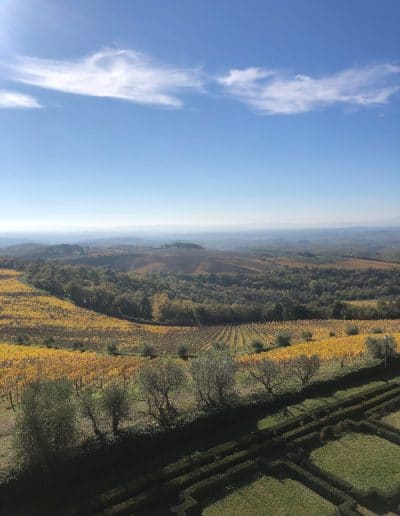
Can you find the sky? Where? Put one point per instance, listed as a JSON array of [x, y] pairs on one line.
[[203, 114]]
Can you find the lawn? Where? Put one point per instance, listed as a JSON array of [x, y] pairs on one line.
[[365, 461], [393, 419], [310, 404], [271, 496]]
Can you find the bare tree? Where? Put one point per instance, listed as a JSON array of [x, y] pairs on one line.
[[304, 367], [269, 373], [159, 381], [214, 377]]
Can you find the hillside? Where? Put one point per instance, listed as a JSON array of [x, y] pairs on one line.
[[28, 312], [206, 261]]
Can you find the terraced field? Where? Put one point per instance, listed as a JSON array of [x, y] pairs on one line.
[[365, 461], [281, 497], [301, 466]]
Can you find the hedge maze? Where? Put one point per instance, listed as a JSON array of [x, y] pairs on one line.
[[283, 452]]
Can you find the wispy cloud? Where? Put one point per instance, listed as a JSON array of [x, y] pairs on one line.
[[12, 99], [272, 92], [121, 74]]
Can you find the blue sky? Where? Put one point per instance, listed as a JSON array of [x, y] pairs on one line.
[[199, 113]]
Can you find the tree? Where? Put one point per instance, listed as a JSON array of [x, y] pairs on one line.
[[338, 310], [306, 335], [258, 346], [112, 348], [160, 306], [159, 381], [304, 367], [149, 351], [352, 329], [283, 338], [183, 352], [381, 347], [214, 377], [270, 374], [90, 409], [116, 405], [45, 428]]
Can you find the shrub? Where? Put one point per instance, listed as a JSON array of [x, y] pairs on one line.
[[149, 351], [183, 352], [23, 340], [381, 346], [49, 342], [45, 428], [220, 346], [377, 330], [306, 335], [283, 338], [352, 329], [214, 377], [112, 348], [258, 346], [77, 345], [304, 367], [159, 381], [116, 405]]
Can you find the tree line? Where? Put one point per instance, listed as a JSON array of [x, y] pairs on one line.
[[205, 299]]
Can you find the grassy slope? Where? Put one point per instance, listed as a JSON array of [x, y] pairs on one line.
[[271, 496], [313, 403], [365, 461], [393, 419]]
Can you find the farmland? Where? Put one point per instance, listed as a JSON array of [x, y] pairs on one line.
[[20, 365], [26, 311], [29, 318]]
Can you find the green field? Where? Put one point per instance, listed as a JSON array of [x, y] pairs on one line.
[[311, 404], [365, 461], [393, 419], [271, 496]]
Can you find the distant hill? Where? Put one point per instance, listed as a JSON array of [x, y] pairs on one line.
[[35, 251]]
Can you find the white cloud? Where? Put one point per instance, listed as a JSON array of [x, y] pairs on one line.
[[121, 74], [272, 92], [12, 99]]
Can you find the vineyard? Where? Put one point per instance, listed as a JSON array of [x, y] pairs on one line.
[[239, 338], [328, 350], [22, 364], [25, 311]]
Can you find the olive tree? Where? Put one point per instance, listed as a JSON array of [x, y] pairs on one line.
[[283, 338], [91, 409], [381, 347], [213, 375], [46, 423], [159, 381], [116, 405]]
